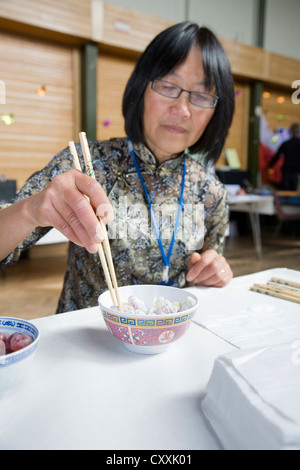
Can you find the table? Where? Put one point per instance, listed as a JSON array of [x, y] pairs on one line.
[[255, 206], [87, 391]]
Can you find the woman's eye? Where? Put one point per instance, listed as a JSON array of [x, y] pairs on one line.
[[169, 88], [201, 97]]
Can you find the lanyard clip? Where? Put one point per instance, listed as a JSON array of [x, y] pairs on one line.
[[166, 274]]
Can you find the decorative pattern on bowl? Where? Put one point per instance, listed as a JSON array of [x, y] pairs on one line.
[[147, 332]]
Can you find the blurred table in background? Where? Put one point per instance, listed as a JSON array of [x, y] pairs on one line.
[[254, 205]]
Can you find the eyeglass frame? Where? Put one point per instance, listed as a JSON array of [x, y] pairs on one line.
[[181, 90]]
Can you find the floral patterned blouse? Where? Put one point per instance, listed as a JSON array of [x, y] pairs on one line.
[[135, 250]]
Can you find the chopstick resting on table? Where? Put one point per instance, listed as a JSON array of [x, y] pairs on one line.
[[278, 290], [109, 271], [285, 283]]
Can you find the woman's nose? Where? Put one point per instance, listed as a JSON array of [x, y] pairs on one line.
[[182, 106]]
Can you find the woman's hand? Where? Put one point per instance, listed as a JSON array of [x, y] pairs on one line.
[[209, 269], [63, 204]]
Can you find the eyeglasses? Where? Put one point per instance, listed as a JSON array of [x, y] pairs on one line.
[[199, 99]]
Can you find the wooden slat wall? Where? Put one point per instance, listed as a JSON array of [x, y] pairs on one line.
[[283, 70], [238, 133], [43, 125], [68, 17], [129, 29], [113, 74], [123, 28], [246, 61]]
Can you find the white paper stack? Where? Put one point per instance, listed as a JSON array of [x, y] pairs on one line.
[[252, 399]]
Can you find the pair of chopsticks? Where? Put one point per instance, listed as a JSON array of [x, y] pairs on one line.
[[279, 288], [109, 271]]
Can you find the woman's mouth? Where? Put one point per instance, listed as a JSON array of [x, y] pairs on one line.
[[175, 129]]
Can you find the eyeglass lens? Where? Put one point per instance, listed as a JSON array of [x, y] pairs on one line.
[[170, 90]]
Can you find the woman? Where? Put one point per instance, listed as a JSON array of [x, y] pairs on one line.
[[178, 104]]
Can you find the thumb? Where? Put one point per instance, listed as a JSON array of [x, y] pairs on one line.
[[194, 259]]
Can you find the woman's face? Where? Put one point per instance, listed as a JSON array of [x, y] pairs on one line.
[[172, 125]]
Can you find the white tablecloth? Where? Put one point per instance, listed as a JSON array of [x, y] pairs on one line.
[[86, 391]]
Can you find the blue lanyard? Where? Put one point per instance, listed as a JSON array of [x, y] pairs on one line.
[[166, 258]]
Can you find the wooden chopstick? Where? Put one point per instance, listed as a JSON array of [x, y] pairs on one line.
[[90, 171], [285, 290], [100, 248], [285, 283], [109, 273], [277, 291], [275, 294], [75, 156]]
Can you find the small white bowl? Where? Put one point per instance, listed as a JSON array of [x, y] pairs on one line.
[[14, 366], [148, 334]]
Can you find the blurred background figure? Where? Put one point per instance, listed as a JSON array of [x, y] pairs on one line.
[[290, 150]]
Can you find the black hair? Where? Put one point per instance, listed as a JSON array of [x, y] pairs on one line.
[[165, 53]]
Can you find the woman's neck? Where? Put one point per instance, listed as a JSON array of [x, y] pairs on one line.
[[160, 157]]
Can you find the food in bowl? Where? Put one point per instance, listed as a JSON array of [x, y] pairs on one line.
[[18, 342], [161, 306], [14, 342], [149, 332]]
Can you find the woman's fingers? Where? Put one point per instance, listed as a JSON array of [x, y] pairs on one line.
[[80, 228], [209, 269], [70, 204], [97, 196]]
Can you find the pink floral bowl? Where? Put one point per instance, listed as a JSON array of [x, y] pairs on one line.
[[151, 333]]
